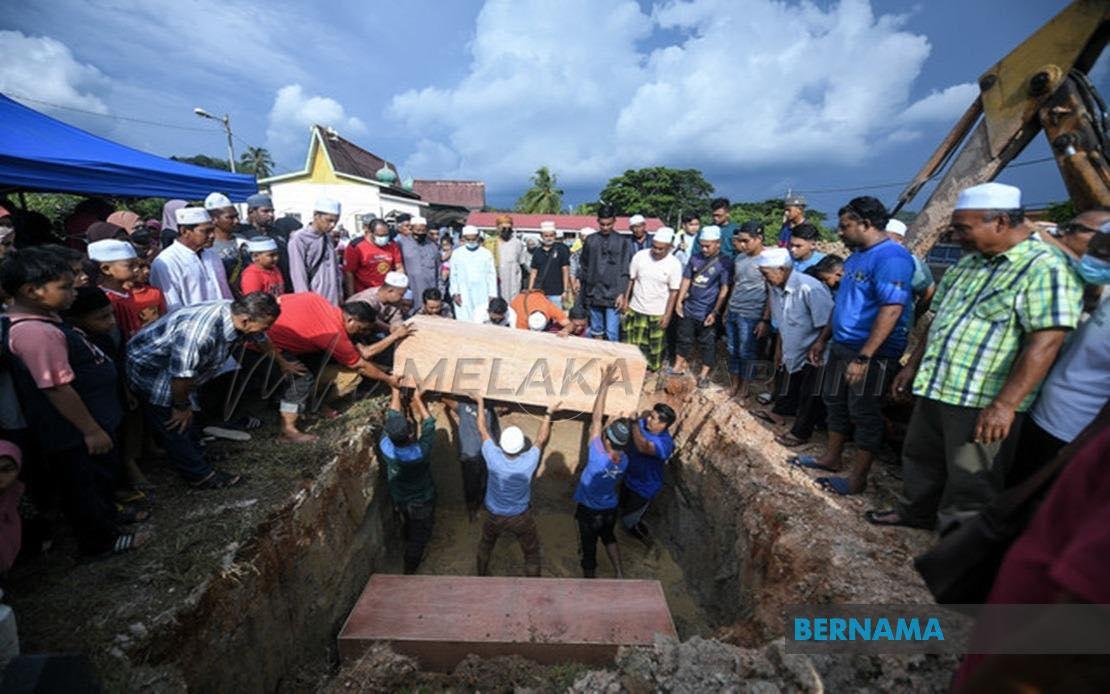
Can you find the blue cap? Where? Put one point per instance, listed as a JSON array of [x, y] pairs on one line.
[[260, 200]]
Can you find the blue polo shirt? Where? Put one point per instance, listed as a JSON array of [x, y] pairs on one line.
[[645, 472], [597, 487], [704, 286], [874, 277], [803, 265]]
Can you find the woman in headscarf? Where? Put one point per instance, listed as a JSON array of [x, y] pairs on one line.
[[169, 221], [126, 220]]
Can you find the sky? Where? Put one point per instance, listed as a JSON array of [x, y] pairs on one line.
[[762, 96]]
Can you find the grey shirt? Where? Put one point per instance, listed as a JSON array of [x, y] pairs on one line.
[[749, 289], [800, 308]]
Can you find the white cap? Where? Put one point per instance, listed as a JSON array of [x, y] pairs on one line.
[[537, 320], [469, 230], [110, 250], [397, 279], [418, 220], [711, 233], [636, 219], [547, 226], [216, 201], [586, 231], [896, 226], [191, 216], [773, 257], [512, 440], [326, 205], [663, 235], [989, 196], [261, 244]]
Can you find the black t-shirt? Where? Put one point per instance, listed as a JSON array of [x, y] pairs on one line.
[[549, 265]]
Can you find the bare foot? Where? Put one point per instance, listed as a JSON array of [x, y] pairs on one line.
[[299, 436]]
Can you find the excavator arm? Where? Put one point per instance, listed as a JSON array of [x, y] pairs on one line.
[[1041, 85]]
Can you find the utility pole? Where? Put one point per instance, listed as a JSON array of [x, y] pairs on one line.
[[226, 122]]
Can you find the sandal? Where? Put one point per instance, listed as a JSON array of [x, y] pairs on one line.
[[218, 479], [836, 485], [125, 543], [789, 440], [226, 434], [808, 461]]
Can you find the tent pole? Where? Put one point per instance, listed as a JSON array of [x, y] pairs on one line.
[[23, 201]]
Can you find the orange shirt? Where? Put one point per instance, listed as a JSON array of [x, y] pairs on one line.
[[536, 301]]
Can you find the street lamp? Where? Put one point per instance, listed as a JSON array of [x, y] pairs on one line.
[[226, 121]]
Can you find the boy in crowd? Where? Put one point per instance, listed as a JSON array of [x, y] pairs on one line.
[[433, 305], [705, 283], [148, 299], [651, 445], [803, 247], [746, 307], [115, 265], [409, 474], [509, 490], [263, 274]]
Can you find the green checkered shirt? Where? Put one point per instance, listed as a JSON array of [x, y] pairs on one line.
[[984, 308]]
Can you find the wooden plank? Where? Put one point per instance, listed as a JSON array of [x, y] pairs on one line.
[[519, 366], [441, 619]]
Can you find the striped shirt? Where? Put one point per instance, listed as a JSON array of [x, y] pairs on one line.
[[984, 309], [192, 342]]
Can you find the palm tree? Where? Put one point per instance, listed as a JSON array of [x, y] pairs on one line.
[[543, 197], [257, 160]]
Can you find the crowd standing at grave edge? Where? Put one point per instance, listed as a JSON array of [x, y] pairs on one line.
[[130, 344]]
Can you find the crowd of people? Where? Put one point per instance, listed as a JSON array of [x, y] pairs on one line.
[[128, 337]]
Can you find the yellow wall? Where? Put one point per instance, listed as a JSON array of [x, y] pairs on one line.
[[320, 171]]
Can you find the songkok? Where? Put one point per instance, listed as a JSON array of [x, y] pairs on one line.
[[502, 219], [326, 206], [216, 201], [663, 235], [896, 226], [794, 201], [191, 216], [989, 196], [259, 200], [512, 440], [469, 230], [773, 257], [87, 300], [711, 233], [547, 226], [586, 231], [397, 279], [261, 244], [636, 219], [417, 221], [537, 320], [110, 250]]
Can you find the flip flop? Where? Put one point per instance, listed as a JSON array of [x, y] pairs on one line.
[[226, 434], [246, 423], [874, 518], [808, 461], [789, 440], [761, 415], [836, 485]]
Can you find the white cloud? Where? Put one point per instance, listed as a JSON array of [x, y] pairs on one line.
[[43, 68], [946, 105], [294, 112], [726, 86]]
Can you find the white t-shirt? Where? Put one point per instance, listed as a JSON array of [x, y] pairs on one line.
[[654, 281]]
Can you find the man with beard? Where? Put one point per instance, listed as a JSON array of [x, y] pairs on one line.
[[189, 272], [550, 272], [509, 257], [421, 260]]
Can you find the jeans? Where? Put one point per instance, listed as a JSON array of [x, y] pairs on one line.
[[183, 449], [743, 345], [605, 321]]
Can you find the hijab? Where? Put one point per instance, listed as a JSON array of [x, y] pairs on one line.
[[125, 219], [169, 221]]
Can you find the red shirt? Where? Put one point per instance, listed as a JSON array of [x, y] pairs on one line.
[[309, 323], [369, 262], [255, 279], [129, 306]]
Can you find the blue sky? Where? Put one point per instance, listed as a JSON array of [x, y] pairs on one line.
[[761, 96]]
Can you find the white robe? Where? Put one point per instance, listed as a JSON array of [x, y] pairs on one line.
[[474, 278], [187, 277]]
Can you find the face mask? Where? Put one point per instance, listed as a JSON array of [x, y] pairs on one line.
[[547, 242], [1093, 270], [381, 240], [420, 238], [506, 233], [472, 245]]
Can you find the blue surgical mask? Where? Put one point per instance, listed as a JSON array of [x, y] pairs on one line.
[[1093, 270], [472, 245]]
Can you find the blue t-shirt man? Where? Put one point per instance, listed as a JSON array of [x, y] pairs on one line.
[[707, 276], [645, 472], [874, 277], [597, 487], [509, 488]]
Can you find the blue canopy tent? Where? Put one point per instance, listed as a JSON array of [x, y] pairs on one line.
[[40, 153]]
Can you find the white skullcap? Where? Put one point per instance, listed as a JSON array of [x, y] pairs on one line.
[[418, 220], [261, 244], [110, 250], [896, 226], [773, 257], [191, 216], [216, 201], [586, 231], [989, 196], [537, 320], [326, 205], [469, 230], [512, 440], [397, 279], [636, 219], [711, 233], [663, 235], [547, 226]]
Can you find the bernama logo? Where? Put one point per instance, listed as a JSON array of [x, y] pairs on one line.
[[866, 629]]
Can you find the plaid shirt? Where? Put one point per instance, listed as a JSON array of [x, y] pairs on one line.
[[192, 342], [984, 309]]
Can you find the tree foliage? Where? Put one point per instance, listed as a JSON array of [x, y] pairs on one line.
[[1060, 212], [257, 161], [770, 212], [205, 161], [543, 197], [659, 191]]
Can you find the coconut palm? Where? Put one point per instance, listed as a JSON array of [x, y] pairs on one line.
[[543, 197], [257, 160]]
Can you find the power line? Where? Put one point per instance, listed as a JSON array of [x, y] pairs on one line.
[[878, 186], [109, 115]]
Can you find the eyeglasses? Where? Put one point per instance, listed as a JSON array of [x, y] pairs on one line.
[[1076, 228]]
